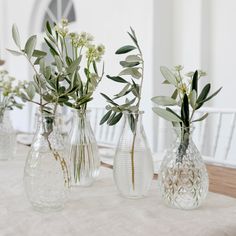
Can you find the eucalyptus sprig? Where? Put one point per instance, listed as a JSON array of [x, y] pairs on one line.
[[131, 77], [187, 96]]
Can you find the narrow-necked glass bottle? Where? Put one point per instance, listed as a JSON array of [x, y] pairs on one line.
[[7, 136], [133, 164], [83, 151], [183, 176], [46, 174]]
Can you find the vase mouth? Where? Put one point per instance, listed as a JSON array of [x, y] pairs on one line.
[[180, 130], [133, 112]]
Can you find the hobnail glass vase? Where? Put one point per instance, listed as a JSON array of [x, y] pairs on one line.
[[83, 151], [183, 176], [7, 136], [46, 173], [133, 164]]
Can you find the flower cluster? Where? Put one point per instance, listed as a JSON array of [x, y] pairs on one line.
[[95, 52], [81, 40], [184, 84], [9, 88], [62, 28]]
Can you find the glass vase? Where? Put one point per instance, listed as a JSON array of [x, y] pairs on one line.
[[83, 151], [46, 174], [133, 164], [7, 136], [183, 176]]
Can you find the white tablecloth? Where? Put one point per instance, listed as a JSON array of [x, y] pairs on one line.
[[99, 210]]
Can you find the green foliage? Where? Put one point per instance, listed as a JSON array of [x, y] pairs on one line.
[[9, 90], [60, 82], [185, 96], [131, 77]]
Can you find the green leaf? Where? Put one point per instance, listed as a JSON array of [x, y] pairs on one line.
[[48, 72], [30, 90], [42, 66], [68, 60], [201, 118], [15, 53], [115, 119], [123, 91], [194, 85], [213, 95], [132, 122], [74, 65], [95, 67], [193, 98], [125, 49], [58, 63], [174, 113], [133, 58], [48, 27], [168, 75], [111, 117], [105, 117], [185, 110], [165, 82], [117, 79], [109, 99], [175, 94], [166, 114], [52, 49], [38, 53], [15, 35], [30, 46], [204, 93], [164, 101], [129, 64], [132, 72]]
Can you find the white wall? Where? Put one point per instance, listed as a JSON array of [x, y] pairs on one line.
[[221, 37], [195, 33]]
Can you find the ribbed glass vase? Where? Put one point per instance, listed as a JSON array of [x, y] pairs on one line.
[[46, 173], [83, 151], [133, 164], [7, 136], [183, 176]]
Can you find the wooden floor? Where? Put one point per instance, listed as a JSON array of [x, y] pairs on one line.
[[221, 179]]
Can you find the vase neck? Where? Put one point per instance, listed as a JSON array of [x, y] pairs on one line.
[[46, 124], [134, 121], [182, 132]]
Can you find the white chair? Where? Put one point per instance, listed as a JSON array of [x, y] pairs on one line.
[[213, 136]]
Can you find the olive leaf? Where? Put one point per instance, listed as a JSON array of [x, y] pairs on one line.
[[164, 101], [30, 46], [166, 114], [201, 118], [15, 53], [15, 35], [125, 49], [168, 75], [117, 79]]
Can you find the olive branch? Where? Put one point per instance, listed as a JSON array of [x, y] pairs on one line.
[[131, 77], [187, 97]]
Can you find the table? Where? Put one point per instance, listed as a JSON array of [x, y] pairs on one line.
[[100, 211]]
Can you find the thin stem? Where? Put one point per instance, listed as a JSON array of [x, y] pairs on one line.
[[132, 161]]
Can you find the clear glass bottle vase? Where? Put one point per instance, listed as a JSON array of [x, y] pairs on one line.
[[183, 175], [83, 151], [7, 136], [46, 173], [133, 164]]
